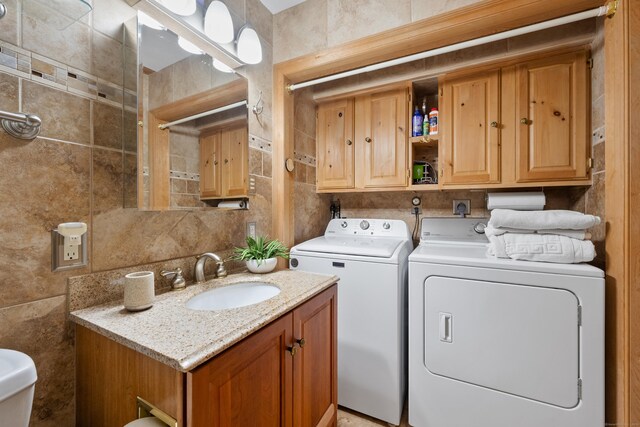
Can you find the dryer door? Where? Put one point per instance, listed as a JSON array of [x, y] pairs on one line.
[[515, 339]]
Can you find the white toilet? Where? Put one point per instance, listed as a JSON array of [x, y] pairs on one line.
[[17, 383]]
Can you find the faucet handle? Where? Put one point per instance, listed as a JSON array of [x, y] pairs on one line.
[[177, 281], [221, 270]]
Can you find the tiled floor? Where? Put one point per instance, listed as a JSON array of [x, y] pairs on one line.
[[348, 418]]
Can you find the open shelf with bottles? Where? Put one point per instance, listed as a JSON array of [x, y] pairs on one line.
[[423, 148]]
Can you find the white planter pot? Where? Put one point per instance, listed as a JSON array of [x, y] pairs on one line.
[[265, 266]]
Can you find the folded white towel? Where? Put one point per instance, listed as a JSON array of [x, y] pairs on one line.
[[574, 234], [542, 220], [541, 247]]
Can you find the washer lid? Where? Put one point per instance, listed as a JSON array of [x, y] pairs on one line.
[[475, 255], [378, 247]]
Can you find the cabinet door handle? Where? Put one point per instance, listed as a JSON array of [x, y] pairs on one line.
[[293, 350], [367, 139], [349, 142], [524, 121], [494, 124], [301, 342]]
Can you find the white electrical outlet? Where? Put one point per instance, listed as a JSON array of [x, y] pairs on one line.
[[251, 230], [71, 253]]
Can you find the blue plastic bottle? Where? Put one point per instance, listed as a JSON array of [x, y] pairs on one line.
[[418, 119]]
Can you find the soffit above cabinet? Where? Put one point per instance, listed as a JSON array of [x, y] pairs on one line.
[[277, 6]]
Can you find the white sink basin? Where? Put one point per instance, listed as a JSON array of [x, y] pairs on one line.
[[233, 296]]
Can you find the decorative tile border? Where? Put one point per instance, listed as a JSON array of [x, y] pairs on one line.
[[305, 159], [184, 175], [259, 143], [28, 65]]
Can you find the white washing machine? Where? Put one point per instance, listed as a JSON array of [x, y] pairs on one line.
[[501, 343], [370, 257]]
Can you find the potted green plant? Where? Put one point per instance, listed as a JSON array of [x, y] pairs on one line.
[[261, 253]]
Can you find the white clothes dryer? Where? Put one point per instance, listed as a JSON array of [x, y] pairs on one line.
[[501, 343], [370, 258]]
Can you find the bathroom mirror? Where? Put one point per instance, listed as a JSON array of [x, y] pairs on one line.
[[192, 126]]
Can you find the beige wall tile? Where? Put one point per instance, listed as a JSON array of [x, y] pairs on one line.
[[255, 162], [236, 7], [107, 126], [40, 329], [71, 46], [191, 76], [421, 9], [9, 24], [107, 60], [64, 116], [260, 18], [47, 183], [267, 164], [349, 20], [9, 90], [300, 30], [312, 210], [107, 180], [108, 16]]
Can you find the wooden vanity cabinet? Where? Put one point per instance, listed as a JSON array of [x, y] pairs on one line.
[[362, 141], [224, 163], [470, 147], [284, 374]]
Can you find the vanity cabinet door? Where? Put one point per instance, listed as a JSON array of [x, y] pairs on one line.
[[335, 148], [470, 129], [381, 131], [315, 375], [235, 161], [210, 165], [552, 138], [249, 384]]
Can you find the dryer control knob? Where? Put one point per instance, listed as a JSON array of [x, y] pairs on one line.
[[343, 224], [479, 227], [386, 226], [364, 225]]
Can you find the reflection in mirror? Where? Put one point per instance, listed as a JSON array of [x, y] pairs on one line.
[[192, 126]]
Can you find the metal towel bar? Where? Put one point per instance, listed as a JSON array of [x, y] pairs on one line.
[[19, 125]]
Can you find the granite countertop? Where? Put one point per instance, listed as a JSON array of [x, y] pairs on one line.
[[183, 338]]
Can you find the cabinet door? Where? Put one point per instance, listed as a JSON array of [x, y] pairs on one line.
[[470, 117], [210, 166], [382, 132], [235, 161], [335, 145], [552, 138], [315, 374], [249, 384]]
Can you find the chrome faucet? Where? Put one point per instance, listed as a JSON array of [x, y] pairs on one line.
[[198, 271]]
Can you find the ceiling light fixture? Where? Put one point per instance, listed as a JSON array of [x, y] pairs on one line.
[[218, 25], [188, 46], [221, 66], [148, 21], [180, 7], [249, 47]]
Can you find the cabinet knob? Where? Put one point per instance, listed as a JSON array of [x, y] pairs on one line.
[[367, 139], [349, 142], [301, 342], [524, 121], [293, 350], [494, 124]]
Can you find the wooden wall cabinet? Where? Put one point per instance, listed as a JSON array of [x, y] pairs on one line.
[[525, 124], [470, 150], [285, 374], [551, 100], [362, 141], [224, 163]]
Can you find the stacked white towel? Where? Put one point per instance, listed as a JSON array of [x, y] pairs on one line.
[[550, 236]]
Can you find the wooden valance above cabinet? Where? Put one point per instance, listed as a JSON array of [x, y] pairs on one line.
[[515, 124]]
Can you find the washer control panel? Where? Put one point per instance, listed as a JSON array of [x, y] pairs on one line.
[[368, 227]]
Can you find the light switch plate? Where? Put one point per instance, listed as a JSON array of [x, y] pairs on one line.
[[58, 263]]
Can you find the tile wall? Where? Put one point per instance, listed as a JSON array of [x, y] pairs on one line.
[[73, 78]]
